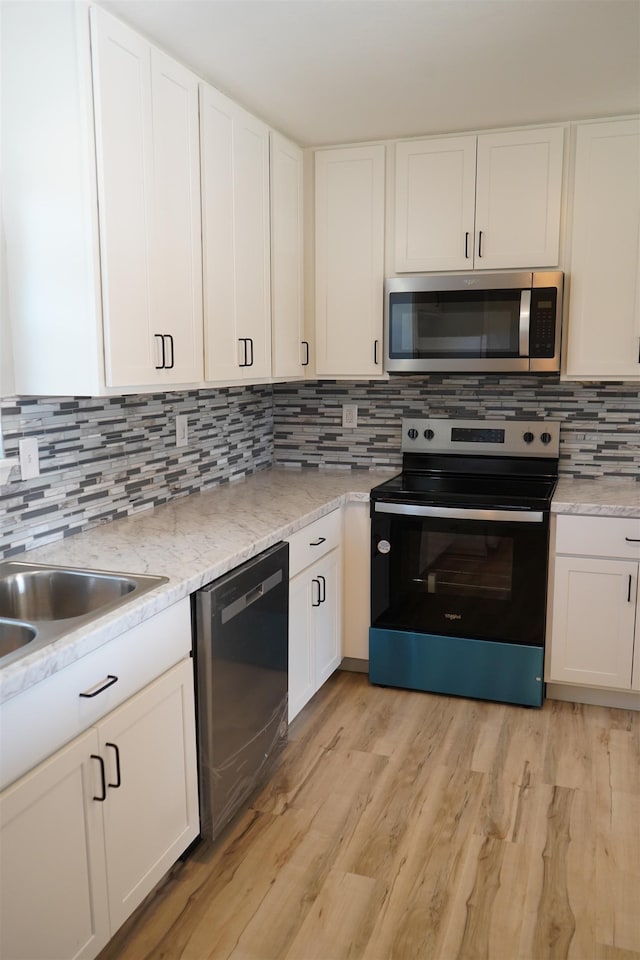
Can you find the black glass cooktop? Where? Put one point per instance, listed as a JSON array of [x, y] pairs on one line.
[[489, 492]]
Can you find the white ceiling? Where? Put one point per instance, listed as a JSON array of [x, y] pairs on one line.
[[334, 71]]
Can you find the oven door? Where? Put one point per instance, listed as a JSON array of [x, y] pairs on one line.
[[478, 574]]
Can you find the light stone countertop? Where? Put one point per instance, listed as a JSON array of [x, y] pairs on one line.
[[608, 497], [190, 541]]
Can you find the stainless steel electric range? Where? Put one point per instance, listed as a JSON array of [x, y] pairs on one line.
[[459, 559]]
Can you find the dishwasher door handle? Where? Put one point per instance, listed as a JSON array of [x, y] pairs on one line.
[[239, 604]]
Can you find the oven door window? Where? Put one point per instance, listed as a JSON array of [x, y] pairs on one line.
[[457, 324], [477, 579]]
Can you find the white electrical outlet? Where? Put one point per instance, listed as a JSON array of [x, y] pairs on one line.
[[29, 460], [182, 430], [350, 415]]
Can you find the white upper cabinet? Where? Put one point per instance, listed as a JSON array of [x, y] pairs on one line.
[[146, 110], [604, 304], [486, 202], [435, 204], [104, 268], [235, 229], [349, 193], [290, 350]]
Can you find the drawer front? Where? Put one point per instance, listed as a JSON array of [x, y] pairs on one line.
[[617, 537], [314, 541], [36, 723]]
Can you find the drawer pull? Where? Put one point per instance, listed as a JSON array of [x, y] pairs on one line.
[[103, 781], [118, 782], [316, 543], [632, 540], [99, 687]]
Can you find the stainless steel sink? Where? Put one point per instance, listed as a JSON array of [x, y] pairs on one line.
[[40, 603], [14, 636], [49, 594]]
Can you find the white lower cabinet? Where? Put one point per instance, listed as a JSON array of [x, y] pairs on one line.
[[53, 900], [87, 834], [315, 608], [151, 810], [595, 621]]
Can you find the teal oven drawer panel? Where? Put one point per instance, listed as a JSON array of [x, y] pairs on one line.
[[484, 669]]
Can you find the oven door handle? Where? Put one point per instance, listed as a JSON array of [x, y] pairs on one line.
[[460, 513], [525, 322]]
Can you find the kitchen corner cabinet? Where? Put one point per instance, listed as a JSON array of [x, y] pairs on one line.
[[289, 348], [604, 295], [487, 202], [101, 205], [315, 608], [349, 264], [595, 623], [88, 832], [234, 160]]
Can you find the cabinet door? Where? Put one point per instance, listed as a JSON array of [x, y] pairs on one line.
[[635, 676], [518, 199], [146, 115], [289, 352], [301, 664], [327, 616], [252, 243], [349, 261], [604, 318], [151, 812], [435, 204], [235, 211], [176, 291], [594, 608], [53, 900], [122, 103]]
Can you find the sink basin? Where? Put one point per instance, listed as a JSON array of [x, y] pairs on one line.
[[50, 594], [13, 636], [40, 603]]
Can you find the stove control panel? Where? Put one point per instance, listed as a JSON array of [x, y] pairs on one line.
[[507, 438]]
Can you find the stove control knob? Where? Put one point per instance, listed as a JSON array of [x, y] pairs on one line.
[[384, 546], [545, 437], [412, 433], [429, 434], [528, 437]]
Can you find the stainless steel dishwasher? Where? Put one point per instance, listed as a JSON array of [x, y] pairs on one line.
[[241, 650]]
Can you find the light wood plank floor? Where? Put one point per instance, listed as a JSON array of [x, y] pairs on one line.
[[405, 825]]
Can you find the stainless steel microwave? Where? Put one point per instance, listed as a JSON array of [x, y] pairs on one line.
[[475, 322]]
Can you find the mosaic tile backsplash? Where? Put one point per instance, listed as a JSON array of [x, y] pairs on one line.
[[600, 434], [108, 458]]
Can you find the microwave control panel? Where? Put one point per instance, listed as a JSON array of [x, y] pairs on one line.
[[542, 323]]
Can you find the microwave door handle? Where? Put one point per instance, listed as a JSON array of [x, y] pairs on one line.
[[525, 322]]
